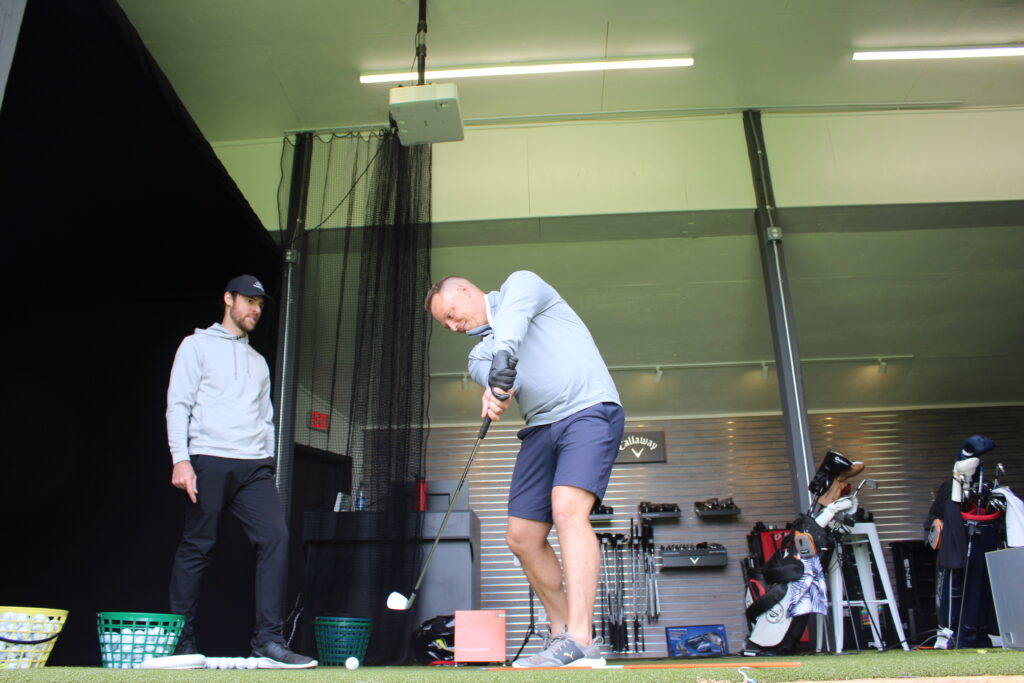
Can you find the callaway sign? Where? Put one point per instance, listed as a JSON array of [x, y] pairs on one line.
[[641, 447]]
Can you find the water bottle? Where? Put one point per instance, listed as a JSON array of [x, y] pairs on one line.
[[360, 498]]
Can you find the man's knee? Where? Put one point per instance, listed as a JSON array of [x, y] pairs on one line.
[[571, 505], [526, 538]]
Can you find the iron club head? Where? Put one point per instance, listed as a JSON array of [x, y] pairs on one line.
[[397, 601]]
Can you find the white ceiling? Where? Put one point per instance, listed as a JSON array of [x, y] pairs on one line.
[[254, 68], [865, 281]]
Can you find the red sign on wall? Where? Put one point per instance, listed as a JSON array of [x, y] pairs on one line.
[[319, 421]]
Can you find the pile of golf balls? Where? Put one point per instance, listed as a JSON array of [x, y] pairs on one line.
[[232, 662], [21, 626], [130, 647]]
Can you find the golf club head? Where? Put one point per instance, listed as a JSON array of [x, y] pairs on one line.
[[868, 483], [399, 602]]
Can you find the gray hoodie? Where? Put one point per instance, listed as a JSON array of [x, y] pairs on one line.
[[218, 399]]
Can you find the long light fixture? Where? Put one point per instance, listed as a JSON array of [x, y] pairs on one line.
[[659, 370], [530, 68], [940, 53]]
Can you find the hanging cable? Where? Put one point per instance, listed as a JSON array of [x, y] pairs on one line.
[[421, 43]]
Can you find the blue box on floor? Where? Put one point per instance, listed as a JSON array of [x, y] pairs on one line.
[[696, 641]]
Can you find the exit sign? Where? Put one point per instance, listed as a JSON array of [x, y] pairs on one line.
[[319, 421]]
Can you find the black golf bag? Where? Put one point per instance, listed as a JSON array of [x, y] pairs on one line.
[[434, 640]]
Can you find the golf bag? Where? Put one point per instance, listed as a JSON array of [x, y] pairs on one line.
[[433, 641], [782, 593], [783, 588], [965, 521]]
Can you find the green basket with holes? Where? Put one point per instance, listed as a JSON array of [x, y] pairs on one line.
[[341, 637], [27, 635], [127, 639]]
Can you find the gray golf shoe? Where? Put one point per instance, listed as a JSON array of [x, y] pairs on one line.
[[563, 651]]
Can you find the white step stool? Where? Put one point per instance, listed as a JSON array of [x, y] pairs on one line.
[[863, 541]]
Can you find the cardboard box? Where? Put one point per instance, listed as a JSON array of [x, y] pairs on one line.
[[696, 641], [480, 635]]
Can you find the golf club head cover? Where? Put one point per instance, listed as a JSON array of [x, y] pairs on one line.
[[839, 487], [503, 371], [825, 517], [963, 471], [975, 446], [832, 465]]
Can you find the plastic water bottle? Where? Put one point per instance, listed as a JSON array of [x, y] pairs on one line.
[[360, 499]]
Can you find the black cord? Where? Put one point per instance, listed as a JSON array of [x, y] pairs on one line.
[[532, 630], [355, 183]]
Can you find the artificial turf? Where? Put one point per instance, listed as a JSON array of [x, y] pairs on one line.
[[893, 664]]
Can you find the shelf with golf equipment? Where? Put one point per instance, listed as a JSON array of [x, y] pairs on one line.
[[712, 507], [659, 510], [693, 555]]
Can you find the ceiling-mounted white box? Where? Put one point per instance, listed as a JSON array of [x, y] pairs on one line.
[[426, 114]]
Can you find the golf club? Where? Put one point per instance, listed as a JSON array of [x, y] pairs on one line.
[[396, 600]]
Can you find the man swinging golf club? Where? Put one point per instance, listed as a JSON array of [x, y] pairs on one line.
[[574, 424]]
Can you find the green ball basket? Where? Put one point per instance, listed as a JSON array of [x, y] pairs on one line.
[[338, 638], [127, 639]]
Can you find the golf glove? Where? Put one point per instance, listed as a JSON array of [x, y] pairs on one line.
[[503, 371]]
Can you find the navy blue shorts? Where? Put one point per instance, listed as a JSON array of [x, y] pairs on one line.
[[576, 451]]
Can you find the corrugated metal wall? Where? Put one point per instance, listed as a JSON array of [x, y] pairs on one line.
[[910, 452]]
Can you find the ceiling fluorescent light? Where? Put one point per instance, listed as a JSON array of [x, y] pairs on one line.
[[531, 68], [941, 53]]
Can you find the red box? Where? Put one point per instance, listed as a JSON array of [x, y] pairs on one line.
[[480, 635]]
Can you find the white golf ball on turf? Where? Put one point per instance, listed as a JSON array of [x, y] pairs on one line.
[[351, 663]]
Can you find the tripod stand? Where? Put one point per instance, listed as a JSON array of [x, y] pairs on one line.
[[531, 629]]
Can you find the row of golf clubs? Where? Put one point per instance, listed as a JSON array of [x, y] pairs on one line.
[[640, 589]]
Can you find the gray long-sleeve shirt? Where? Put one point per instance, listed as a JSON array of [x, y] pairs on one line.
[[560, 370]]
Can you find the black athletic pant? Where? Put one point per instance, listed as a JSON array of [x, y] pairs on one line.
[[246, 488]]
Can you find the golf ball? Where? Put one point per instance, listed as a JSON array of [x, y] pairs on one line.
[[351, 663]]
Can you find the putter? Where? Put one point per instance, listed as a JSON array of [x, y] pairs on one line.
[[396, 600]]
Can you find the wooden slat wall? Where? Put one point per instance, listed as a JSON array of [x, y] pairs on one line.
[[910, 452]]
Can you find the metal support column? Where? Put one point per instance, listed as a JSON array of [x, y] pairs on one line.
[[291, 297], [780, 313]]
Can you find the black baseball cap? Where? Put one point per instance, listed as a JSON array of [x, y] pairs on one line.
[[247, 285]]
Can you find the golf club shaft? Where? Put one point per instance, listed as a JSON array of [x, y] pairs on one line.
[[451, 505]]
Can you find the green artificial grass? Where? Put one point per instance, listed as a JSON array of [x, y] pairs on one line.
[[893, 664]]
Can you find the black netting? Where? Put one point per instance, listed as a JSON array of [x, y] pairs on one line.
[[362, 361]]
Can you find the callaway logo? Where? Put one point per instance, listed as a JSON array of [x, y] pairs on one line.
[[641, 441], [258, 285]]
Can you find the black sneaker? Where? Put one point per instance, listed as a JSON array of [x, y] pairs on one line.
[[185, 646], [278, 656]]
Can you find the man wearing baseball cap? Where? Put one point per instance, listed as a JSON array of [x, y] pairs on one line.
[[221, 436]]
